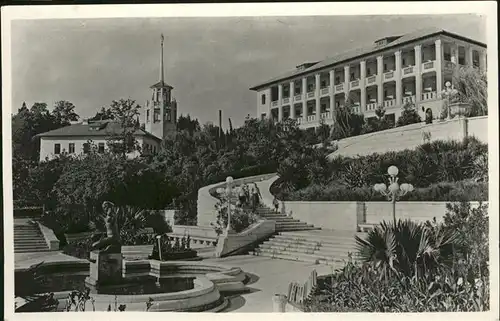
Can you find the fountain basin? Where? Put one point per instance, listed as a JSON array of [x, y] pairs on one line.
[[188, 286]]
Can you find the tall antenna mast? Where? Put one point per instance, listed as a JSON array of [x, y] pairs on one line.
[[161, 61]]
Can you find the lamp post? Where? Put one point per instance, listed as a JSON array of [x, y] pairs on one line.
[[229, 190], [394, 191]]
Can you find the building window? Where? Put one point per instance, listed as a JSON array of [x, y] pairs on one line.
[[263, 116], [57, 149], [86, 148], [385, 93], [310, 87], [71, 148], [156, 116], [168, 115], [147, 115], [263, 99], [100, 149], [385, 67], [323, 84]]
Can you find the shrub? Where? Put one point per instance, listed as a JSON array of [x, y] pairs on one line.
[[415, 268], [241, 218], [408, 116], [176, 250]]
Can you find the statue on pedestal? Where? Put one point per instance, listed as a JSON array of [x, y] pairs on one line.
[[111, 243]]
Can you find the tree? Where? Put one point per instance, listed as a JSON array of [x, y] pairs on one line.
[[408, 116], [64, 113], [29, 122], [186, 123], [103, 114], [472, 87], [122, 138]]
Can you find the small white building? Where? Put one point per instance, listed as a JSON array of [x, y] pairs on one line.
[[160, 119], [78, 139]]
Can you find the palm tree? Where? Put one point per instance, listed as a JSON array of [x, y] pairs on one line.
[[407, 247]]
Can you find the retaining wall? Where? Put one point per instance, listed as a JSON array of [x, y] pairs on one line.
[[411, 136]]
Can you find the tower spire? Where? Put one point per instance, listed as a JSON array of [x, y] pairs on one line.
[[161, 61]]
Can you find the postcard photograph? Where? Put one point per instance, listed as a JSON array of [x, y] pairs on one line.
[[283, 163]]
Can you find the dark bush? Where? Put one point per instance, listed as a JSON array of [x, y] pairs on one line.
[[466, 190]]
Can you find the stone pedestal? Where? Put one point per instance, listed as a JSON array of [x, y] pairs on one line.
[[279, 303], [105, 270]]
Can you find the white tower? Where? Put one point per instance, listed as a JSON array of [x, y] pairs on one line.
[[160, 115]]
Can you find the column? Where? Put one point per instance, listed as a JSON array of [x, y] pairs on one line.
[[347, 79], [332, 93], [454, 53], [482, 60], [439, 69], [318, 95], [280, 105], [399, 98], [362, 85], [292, 103], [380, 80], [418, 73], [470, 56], [304, 97]]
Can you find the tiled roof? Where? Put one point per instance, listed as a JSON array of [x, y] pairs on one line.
[[92, 129], [365, 50], [161, 84]]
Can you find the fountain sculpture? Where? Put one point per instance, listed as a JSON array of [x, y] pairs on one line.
[[106, 258]]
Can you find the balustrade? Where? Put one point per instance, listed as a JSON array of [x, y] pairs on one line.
[[389, 75]]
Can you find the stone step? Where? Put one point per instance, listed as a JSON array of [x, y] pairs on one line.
[[322, 235], [310, 244], [325, 256], [295, 228], [321, 252], [301, 257]]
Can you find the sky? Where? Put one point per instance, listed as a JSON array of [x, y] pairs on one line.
[[210, 62]]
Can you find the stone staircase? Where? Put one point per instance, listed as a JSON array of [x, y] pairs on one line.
[[284, 223], [27, 237], [314, 246]]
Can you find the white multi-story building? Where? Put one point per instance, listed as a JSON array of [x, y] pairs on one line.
[[391, 72]]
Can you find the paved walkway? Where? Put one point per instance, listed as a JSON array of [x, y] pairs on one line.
[[25, 260], [268, 277]]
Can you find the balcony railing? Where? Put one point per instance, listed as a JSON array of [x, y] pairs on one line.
[[389, 75], [389, 103], [326, 115], [325, 90], [299, 120], [274, 103], [310, 94], [311, 118], [355, 83], [371, 106], [356, 109], [371, 79], [339, 87], [429, 96], [286, 100], [408, 70], [408, 99], [297, 97], [428, 65]]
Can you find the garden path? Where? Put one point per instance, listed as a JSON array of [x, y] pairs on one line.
[[268, 277]]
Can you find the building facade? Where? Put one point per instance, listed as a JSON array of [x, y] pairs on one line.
[[78, 139], [412, 68], [159, 115]]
